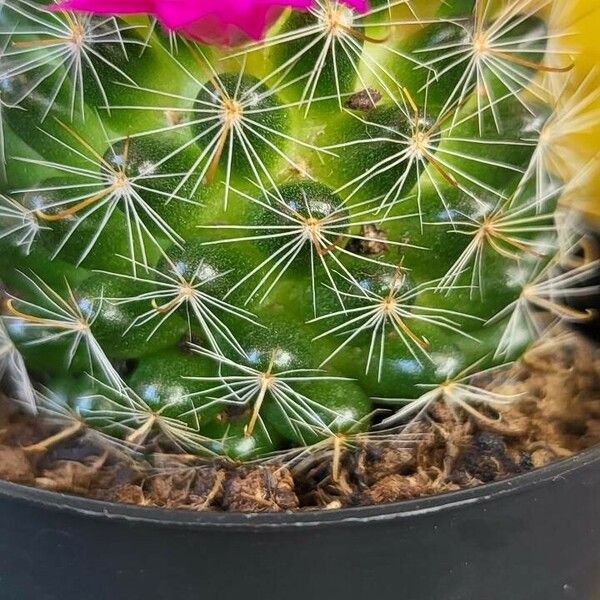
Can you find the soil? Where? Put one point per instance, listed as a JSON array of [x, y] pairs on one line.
[[557, 416]]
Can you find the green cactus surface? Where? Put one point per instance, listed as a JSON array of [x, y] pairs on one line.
[[285, 245]]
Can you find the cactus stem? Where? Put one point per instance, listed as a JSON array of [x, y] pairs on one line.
[[246, 125], [416, 151], [334, 36], [324, 237], [61, 436], [492, 53], [500, 230], [115, 189], [231, 123], [71, 43]]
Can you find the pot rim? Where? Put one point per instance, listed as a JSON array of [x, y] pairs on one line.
[[406, 509]]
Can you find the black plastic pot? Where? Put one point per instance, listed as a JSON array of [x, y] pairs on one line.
[[532, 537]]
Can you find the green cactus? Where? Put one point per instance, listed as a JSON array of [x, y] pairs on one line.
[[242, 252]]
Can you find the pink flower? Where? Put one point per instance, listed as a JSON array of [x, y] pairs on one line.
[[220, 22]]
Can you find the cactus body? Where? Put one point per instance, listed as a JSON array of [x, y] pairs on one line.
[[242, 251]]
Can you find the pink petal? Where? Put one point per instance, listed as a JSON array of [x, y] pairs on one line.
[[361, 6], [222, 22], [107, 7], [175, 13]]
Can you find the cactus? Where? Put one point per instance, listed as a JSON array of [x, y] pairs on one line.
[[242, 252]]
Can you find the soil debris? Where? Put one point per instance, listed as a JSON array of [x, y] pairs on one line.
[[15, 466], [263, 489], [558, 415], [372, 241]]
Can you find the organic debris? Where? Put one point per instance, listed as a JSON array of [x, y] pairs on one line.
[[558, 416]]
